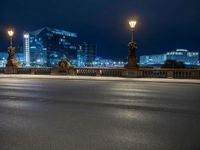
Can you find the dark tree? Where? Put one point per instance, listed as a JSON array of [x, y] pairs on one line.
[[173, 64]]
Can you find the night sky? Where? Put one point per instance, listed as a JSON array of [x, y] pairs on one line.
[[163, 25]]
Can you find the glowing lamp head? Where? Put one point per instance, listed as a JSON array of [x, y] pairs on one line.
[[132, 23], [26, 35], [10, 32]]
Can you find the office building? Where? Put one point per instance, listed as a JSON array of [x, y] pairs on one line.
[[153, 59], [180, 55], [47, 46], [26, 47], [86, 55]]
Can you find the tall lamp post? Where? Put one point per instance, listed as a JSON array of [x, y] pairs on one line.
[[132, 59], [11, 60]]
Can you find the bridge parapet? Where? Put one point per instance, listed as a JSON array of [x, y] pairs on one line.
[[113, 72], [171, 73]]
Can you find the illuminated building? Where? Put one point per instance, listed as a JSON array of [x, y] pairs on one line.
[[109, 63], [86, 55], [48, 46], [180, 55], [26, 45], [153, 59]]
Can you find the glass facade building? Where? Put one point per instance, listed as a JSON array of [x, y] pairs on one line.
[[180, 55], [48, 46], [26, 47], [86, 55], [153, 59]]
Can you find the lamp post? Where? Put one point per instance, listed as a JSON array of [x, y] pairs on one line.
[[11, 60], [10, 34], [132, 60]]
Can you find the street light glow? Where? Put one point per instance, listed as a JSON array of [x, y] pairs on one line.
[[10, 32], [132, 23]]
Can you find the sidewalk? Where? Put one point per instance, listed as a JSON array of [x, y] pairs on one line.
[[161, 80]]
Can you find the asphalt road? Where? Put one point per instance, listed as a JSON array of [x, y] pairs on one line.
[[57, 114]]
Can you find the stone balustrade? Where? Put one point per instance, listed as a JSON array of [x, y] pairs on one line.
[[114, 72], [170, 73]]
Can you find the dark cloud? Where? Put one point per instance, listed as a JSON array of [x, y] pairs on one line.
[[163, 25]]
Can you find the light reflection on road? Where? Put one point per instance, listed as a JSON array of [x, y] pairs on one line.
[[25, 104]]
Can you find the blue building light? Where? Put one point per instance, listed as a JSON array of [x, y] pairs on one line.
[[182, 55], [50, 45]]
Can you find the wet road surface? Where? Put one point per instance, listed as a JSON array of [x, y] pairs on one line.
[[48, 114]]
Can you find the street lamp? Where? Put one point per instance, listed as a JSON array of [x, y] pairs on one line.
[[132, 59], [132, 24], [11, 60], [10, 34]]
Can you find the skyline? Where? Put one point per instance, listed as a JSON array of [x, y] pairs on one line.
[[169, 27]]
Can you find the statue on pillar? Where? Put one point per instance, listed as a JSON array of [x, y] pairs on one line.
[[11, 66], [132, 59], [64, 64], [11, 60]]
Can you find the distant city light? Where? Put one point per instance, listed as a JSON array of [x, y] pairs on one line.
[[26, 35]]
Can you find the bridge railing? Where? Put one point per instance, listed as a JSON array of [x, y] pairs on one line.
[[170, 73], [152, 73], [189, 74], [113, 72]]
